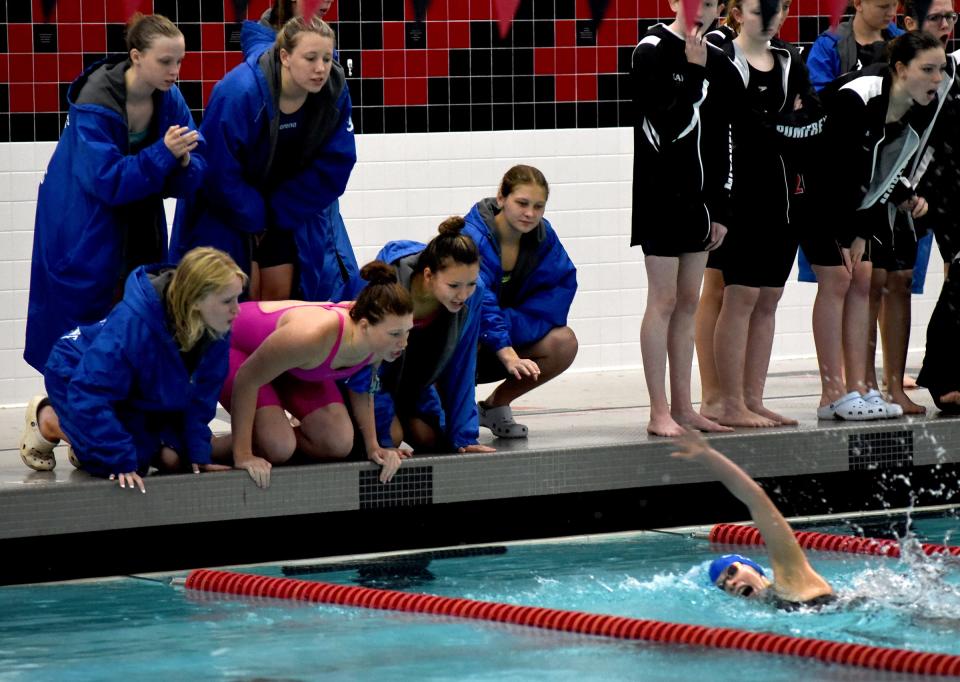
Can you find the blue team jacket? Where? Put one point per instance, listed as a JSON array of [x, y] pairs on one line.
[[544, 296], [450, 400], [78, 250], [332, 273], [834, 53], [109, 380], [237, 200]]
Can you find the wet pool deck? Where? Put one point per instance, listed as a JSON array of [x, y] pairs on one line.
[[583, 469]]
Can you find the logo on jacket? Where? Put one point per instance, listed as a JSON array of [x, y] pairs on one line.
[[350, 125], [678, 77]]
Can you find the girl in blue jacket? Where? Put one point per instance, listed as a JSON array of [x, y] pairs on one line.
[[281, 149], [317, 284], [129, 141], [427, 397], [529, 286], [139, 388]]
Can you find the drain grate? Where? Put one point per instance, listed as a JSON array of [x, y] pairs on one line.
[[880, 450], [410, 487]]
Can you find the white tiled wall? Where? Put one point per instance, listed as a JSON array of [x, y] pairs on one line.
[[404, 185]]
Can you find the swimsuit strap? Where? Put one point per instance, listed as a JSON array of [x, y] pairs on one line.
[[328, 363]]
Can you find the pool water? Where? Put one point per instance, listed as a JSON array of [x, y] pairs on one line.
[[130, 629]]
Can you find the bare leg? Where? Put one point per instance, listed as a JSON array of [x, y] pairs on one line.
[[273, 437], [832, 285], [222, 449], [661, 301], [856, 327], [730, 347], [326, 433], [276, 283], [680, 343], [895, 333], [711, 298], [759, 346], [167, 461], [420, 434], [878, 289], [553, 354]]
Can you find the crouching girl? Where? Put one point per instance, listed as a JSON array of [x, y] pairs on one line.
[[139, 388]]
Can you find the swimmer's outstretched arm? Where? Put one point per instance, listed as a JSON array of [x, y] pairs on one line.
[[793, 572]]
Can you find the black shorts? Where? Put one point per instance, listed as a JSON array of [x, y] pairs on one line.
[[825, 251], [902, 253], [489, 367], [821, 247], [755, 255], [685, 230], [275, 247]]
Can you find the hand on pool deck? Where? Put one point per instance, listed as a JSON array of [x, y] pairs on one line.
[[197, 468], [133, 479], [390, 459], [476, 447], [257, 467]]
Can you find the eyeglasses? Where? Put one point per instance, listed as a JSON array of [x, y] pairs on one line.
[[949, 17]]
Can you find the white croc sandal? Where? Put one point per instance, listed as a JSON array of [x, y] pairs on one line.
[[500, 421], [874, 397], [851, 407], [72, 457], [35, 450]]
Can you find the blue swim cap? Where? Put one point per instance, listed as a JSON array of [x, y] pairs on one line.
[[719, 565]]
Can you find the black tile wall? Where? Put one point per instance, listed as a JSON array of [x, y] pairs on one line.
[[553, 68]]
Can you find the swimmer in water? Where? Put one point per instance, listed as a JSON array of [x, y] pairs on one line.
[[794, 583]]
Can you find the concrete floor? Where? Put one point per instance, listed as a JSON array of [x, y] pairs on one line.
[[573, 410]]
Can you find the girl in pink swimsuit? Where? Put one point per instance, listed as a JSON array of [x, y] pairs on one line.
[[288, 355]]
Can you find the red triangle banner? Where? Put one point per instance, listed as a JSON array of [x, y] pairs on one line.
[[129, 7], [309, 8], [690, 10], [836, 11], [505, 10]]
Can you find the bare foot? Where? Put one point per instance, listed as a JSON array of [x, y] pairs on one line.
[[909, 384], [741, 416], [774, 416], [664, 426], [710, 409], [692, 420], [951, 397], [909, 407]]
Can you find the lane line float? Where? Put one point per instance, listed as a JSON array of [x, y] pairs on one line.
[[619, 627]]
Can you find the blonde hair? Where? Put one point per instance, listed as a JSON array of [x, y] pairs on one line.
[[729, 20], [201, 271], [289, 35]]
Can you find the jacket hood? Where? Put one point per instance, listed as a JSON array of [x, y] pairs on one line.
[[255, 37], [400, 249], [107, 86], [321, 110], [487, 210], [267, 61], [143, 293]]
